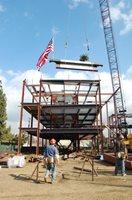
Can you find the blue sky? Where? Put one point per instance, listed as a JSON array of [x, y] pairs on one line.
[[26, 27]]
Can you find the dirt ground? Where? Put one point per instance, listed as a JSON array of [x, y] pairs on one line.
[[15, 185]]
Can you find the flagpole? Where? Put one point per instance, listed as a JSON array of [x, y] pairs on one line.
[[44, 56], [53, 39], [41, 76]]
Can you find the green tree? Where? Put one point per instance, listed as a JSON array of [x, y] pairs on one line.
[[24, 138], [7, 135], [3, 115], [5, 132], [84, 57]]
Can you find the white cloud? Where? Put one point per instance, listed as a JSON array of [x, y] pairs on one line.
[[127, 22], [105, 81], [129, 71], [2, 8], [2, 78], [120, 13], [12, 86], [75, 3], [12, 73]]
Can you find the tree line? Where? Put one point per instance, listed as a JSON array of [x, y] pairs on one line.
[[6, 134]]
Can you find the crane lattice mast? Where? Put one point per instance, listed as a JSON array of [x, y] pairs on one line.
[[120, 119]]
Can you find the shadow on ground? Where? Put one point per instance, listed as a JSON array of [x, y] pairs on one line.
[[25, 177]]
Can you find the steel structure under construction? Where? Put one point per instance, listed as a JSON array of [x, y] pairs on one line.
[[63, 109]]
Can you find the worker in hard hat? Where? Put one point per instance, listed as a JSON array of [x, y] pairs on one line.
[[51, 156], [120, 155]]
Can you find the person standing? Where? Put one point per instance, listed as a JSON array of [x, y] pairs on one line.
[[120, 155], [51, 156]]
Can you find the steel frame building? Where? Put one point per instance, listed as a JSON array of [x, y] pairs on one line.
[[63, 109]]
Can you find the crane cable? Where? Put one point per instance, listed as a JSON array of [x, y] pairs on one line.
[[66, 43]]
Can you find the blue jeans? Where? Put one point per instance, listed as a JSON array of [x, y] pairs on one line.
[[51, 171], [120, 166]]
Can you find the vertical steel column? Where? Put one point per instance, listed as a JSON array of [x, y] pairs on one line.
[[21, 117], [97, 124], [101, 130], [78, 143], [39, 112], [108, 123], [31, 137]]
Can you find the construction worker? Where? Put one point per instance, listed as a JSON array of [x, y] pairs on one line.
[[51, 156], [120, 155]]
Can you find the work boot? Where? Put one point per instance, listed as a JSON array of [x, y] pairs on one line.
[[45, 180]]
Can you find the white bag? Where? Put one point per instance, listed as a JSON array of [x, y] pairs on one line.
[[10, 163], [21, 161], [101, 157], [16, 161]]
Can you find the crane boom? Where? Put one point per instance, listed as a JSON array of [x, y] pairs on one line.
[[114, 67]]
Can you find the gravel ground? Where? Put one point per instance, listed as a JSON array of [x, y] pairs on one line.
[[16, 185]]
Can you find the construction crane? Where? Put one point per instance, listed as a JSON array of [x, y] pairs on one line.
[[120, 118]]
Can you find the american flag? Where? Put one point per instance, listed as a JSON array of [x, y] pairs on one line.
[[44, 56]]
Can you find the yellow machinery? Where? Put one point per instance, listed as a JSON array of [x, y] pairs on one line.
[[128, 142]]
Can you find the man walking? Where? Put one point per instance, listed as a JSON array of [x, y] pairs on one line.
[[51, 155]]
